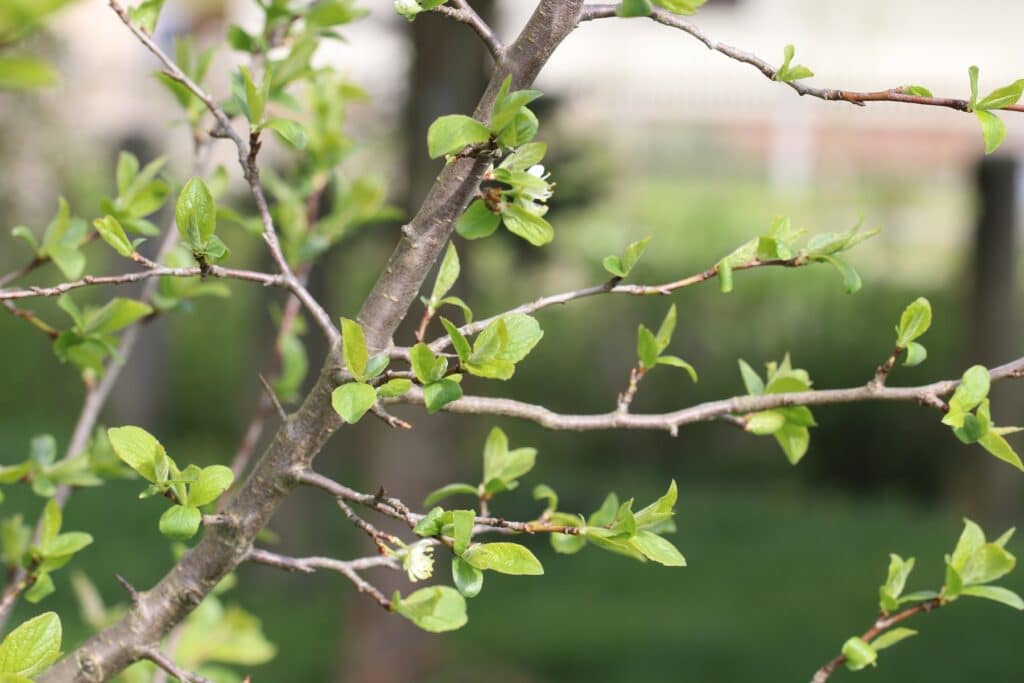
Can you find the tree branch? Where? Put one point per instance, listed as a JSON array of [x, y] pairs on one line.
[[666, 18], [928, 394], [164, 662], [882, 624], [349, 569], [301, 438]]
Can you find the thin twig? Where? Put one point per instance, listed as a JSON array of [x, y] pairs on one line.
[[165, 663], [898, 94], [348, 569], [273, 398], [882, 624], [928, 394]]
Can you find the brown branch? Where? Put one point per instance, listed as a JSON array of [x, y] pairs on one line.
[[928, 394], [165, 663], [297, 442], [612, 287], [32, 319], [460, 11], [308, 565], [882, 624], [898, 94], [883, 370]]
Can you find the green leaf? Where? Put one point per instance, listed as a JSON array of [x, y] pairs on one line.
[[507, 105], [66, 544], [31, 647], [113, 234], [634, 8], [725, 276], [180, 522], [621, 267], [503, 466], [352, 400], [478, 221], [1005, 96], [523, 128], [462, 530], [436, 609], [896, 580], [42, 588], [916, 354], [995, 444], [971, 541], [658, 549], [449, 490], [605, 514], [437, 395], [146, 14], [394, 387], [680, 6], [459, 342], [523, 332], [525, 156], [446, 275], [655, 516], [794, 441], [527, 225], [993, 130], [451, 134], [851, 278], [138, 449], [196, 214], [467, 579], [891, 637], [646, 347], [788, 73], [255, 99], [677, 362], [917, 90], [996, 593], [973, 388], [212, 482], [859, 654], [425, 365], [765, 422], [114, 316], [290, 132], [431, 524], [504, 558], [545, 492], [354, 348], [915, 321], [751, 380]]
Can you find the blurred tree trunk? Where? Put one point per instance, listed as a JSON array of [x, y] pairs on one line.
[[994, 337], [448, 72]]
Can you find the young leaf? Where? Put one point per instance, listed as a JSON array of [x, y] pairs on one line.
[[997, 594], [891, 637], [449, 490], [634, 8], [462, 530], [656, 548], [459, 342], [467, 579], [196, 214], [478, 221], [180, 522], [138, 449], [916, 354], [394, 387], [451, 134], [354, 348], [146, 14], [915, 321], [446, 275], [994, 443], [290, 132], [352, 400], [680, 6], [859, 654], [504, 558], [113, 234], [437, 395], [436, 609], [31, 647], [212, 482], [788, 73], [527, 225]]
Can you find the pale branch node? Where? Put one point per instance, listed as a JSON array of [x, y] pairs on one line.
[[927, 394], [610, 287], [247, 160], [605, 11], [461, 11], [298, 441], [882, 624]]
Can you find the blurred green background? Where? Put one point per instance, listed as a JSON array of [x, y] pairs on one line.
[[784, 562]]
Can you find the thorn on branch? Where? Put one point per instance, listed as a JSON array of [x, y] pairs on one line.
[[133, 594], [273, 398]]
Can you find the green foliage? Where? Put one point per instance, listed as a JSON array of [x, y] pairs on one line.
[[146, 14], [140, 193], [620, 267], [49, 551], [410, 8], [195, 67], [18, 19], [650, 345], [791, 425], [447, 274], [971, 420], [353, 399], [189, 489], [779, 245], [436, 609], [196, 217], [439, 388], [499, 346], [91, 338], [789, 72], [30, 648], [680, 6], [45, 472], [915, 321], [62, 241], [453, 133], [993, 130]]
